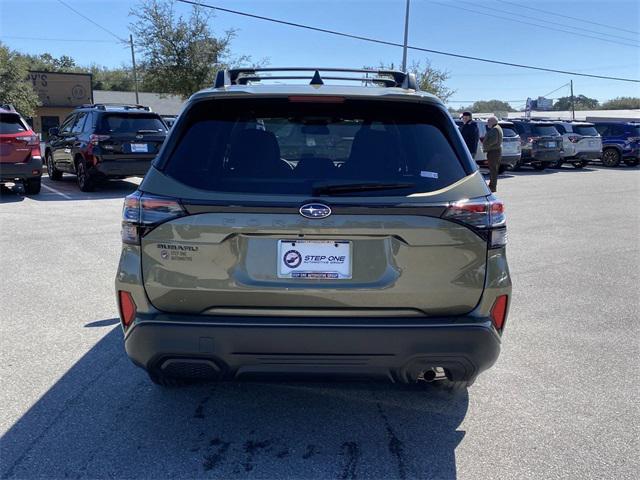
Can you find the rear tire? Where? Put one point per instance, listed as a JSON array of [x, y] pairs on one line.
[[32, 186], [54, 173], [632, 162], [539, 166], [579, 165], [85, 181], [611, 157], [557, 164]]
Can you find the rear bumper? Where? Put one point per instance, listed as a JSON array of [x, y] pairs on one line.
[[10, 172], [129, 167], [533, 156], [592, 155], [392, 348]]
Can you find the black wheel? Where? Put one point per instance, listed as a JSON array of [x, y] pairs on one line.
[[517, 166], [165, 381], [580, 164], [85, 182], [32, 186], [611, 157], [556, 164], [54, 173], [539, 166], [502, 169], [632, 162]]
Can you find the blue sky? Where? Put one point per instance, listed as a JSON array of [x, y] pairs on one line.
[[435, 24]]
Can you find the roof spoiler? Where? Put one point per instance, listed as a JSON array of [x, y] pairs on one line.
[[380, 77]]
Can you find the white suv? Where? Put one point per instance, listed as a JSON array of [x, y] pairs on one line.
[[581, 142], [511, 148]]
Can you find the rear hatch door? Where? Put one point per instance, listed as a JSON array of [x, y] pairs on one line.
[[15, 138], [131, 135], [257, 237]]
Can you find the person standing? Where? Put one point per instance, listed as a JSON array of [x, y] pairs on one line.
[[492, 146], [470, 134]]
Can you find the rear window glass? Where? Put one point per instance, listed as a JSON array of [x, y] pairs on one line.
[[282, 147], [124, 123], [586, 130], [508, 131], [11, 123], [544, 130]]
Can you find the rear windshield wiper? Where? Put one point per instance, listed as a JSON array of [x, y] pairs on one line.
[[148, 131], [338, 188]]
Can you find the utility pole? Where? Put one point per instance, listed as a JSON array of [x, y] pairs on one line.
[[573, 105], [406, 39], [135, 74]]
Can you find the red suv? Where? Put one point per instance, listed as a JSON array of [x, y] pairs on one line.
[[20, 160]]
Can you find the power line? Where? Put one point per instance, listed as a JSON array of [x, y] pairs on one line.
[[564, 25], [572, 18], [91, 21], [480, 12], [83, 40], [394, 44], [554, 91]]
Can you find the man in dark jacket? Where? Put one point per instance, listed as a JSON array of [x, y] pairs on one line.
[[492, 146], [469, 131]]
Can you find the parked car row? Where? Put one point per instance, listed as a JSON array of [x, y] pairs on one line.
[[545, 144], [97, 142]]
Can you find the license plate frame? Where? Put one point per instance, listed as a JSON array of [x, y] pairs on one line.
[[139, 147], [314, 259]]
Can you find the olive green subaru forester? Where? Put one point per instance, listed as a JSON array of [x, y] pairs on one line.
[[313, 228]]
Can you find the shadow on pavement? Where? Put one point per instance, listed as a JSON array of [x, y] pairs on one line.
[[104, 418]]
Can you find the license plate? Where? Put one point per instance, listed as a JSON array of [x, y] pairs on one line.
[[551, 144], [317, 259], [139, 148], [592, 143]]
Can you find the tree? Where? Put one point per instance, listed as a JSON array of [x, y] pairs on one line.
[[14, 88], [429, 78], [489, 106], [581, 103], [622, 103], [179, 55], [432, 80]]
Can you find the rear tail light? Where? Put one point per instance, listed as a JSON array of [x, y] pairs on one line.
[[499, 311], [96, 139], [532, 139], [31, 140], [486, 216], [574, 138], [142, 212], [127, 306]]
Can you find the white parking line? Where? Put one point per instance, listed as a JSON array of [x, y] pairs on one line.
[[56, 191]]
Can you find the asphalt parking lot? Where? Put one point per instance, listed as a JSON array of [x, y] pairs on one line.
[[560, 403]]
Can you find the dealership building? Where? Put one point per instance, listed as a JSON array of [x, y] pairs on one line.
[[60, 93]]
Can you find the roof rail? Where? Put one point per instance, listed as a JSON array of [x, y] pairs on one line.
[[123, 106], [8, 106], [387, 78]]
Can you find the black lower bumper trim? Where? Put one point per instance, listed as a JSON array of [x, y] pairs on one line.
[[395, 348]]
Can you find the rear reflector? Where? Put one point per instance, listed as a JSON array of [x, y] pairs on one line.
[[127, 307], [499, 311]]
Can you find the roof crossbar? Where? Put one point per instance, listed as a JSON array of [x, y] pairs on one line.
[[387, 78]]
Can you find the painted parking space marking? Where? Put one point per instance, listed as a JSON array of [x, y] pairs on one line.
[[56, 191]]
